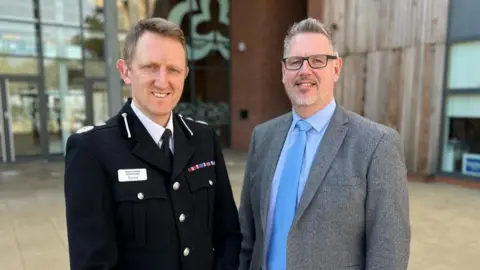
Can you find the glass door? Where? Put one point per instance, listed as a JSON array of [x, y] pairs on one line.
[[19, 118]]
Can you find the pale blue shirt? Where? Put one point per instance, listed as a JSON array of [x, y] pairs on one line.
[[155, 130], [319, 122]]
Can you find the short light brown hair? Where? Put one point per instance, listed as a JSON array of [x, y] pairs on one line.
[[153, 25], [308, 25]]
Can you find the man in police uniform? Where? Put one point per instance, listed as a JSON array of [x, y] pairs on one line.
[[149, 189]]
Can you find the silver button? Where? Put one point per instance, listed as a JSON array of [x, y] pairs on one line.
[[140, 196], [181, 218], [186, 251], [210, 182], [176, 186]]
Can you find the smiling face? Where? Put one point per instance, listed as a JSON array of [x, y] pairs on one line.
[[310, 89], [156, 73]]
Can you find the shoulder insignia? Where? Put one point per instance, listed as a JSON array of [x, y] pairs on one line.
[[201, 122], [84, 129], [100, 124]]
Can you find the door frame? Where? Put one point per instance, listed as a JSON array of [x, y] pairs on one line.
[[9, 154]]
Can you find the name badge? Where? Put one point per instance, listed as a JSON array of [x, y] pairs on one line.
[[131, 175]]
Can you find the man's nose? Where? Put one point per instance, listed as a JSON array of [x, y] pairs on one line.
[[161, 79], [305, 67]]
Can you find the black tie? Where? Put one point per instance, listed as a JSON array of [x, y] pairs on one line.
[[165, 148]]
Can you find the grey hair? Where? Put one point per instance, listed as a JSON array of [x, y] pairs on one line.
[[308, 25]]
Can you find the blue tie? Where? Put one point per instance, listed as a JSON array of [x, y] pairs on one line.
[[286, 201]]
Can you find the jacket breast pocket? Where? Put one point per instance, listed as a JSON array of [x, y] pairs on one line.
[[144, 214], [201, 184]]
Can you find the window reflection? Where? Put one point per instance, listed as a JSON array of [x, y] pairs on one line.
[[17, 10], [128, 12], [18, 65], [66, 101], [18, 39], [61, 42], [94, 45], [461, 152], [65, 12]]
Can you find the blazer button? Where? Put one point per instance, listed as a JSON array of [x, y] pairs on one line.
[[181, 218], [140, 196], [210, 182], [186, 251], [176, 186]]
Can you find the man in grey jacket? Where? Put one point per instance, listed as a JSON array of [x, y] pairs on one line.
[[324, 188]]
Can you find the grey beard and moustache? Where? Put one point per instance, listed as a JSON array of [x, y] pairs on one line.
[[295, 97]]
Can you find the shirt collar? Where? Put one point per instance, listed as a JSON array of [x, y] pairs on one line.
[[320, 119], [155, 130]]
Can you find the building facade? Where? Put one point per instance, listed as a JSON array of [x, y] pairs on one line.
[[407, 64]]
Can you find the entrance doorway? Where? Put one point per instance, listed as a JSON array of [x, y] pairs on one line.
[[20, 114]]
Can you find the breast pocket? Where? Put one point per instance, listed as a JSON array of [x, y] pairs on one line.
[[201, 184], [144, 214]]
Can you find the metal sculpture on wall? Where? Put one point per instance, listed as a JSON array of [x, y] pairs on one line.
[[203, 43]]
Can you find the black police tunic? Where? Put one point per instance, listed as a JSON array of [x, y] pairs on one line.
[[126, 209]]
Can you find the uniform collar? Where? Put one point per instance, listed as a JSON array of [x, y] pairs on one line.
[[320, 119], [155, 130]]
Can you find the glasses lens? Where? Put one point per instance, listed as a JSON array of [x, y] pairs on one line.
[[318, 61], [293, 62]]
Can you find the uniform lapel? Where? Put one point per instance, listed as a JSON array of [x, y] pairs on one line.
[[326, 153], [273, 150], [182, 147], [144, 147]]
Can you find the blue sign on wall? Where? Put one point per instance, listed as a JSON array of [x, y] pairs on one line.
[[471, 164]]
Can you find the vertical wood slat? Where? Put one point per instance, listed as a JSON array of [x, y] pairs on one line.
[[393, 69]]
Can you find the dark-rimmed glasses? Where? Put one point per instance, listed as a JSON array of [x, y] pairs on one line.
[[314, 61]]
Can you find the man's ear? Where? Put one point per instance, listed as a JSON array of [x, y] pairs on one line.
[[187, 70], [122, 68], [337, 69]]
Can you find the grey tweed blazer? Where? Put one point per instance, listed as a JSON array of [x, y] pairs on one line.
[[354, 211]]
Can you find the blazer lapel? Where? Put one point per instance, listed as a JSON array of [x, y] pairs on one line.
[[327, 150], [144, 146], [183, 148], [273, 150]]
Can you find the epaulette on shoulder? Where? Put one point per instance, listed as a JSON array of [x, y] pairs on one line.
[[193, 120], [86, 129]]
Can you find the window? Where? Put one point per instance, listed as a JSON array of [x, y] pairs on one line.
[[464, 65], [462, 129], [17, 10], [463, 19], [18, 39], [18, 65], [66, 12], [61, 42]]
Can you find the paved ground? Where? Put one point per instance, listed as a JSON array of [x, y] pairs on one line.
[[445, 220]]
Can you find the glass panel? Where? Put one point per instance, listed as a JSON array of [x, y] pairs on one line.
[[94, 45], [128, 12], [18, 65], [25, 115], [463, 14], [66, 101], [95, 68], [18, 39], [137, 10], [462, 130], [93, 14], [100, 102], [60, 12], [464, 65], [61, 42], [16, 10]]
